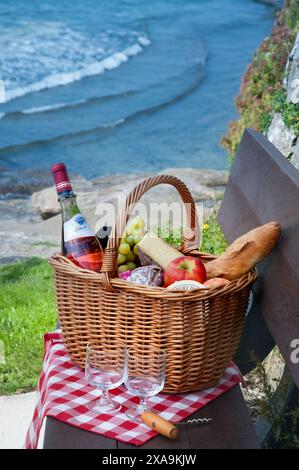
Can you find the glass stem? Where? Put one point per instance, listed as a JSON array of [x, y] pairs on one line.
[[105, 399], [143, 405]]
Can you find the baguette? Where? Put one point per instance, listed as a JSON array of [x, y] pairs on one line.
[[245, 252]]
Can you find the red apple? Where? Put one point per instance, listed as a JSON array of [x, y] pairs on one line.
[[216, 282], [185, 268]]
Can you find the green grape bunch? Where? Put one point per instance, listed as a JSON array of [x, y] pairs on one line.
[[127, 258]]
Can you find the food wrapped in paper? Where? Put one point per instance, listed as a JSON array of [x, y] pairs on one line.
[[147, 276]]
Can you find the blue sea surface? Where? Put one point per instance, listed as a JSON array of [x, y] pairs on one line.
[[122, 85]]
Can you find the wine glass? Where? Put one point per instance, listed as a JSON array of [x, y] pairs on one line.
[[144, 376], [104, 370]]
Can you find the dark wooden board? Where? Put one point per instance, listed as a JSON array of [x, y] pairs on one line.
[[231, 429], [59, 435], [264, 186]]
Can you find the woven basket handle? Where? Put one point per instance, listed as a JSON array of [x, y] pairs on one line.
[[190, 239]]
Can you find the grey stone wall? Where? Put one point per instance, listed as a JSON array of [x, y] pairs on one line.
[[278, 133]]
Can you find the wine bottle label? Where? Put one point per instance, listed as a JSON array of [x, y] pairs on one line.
[[77, 227]]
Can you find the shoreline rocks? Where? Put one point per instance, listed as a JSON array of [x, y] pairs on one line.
[[284, 138], [280, 136], [33, 225], [205, 185], [293, 74]]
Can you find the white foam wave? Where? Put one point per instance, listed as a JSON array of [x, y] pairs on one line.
[[144, 41], [96, 68], [50, 107]]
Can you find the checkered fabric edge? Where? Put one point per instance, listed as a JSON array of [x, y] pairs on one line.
[[63, 393]]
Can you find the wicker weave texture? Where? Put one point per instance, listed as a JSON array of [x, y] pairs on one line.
[[199, 330]]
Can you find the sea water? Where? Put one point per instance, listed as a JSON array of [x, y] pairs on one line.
[[122, 85]]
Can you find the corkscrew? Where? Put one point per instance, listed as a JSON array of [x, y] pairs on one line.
[[167, 428], [195, 421]]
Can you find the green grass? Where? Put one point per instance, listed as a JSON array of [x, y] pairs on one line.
[[27, 311], [213, 239]]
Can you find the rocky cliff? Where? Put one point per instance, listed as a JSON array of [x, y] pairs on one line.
[[279, 133]]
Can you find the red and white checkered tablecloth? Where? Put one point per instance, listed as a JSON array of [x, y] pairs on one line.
[[63, 393]]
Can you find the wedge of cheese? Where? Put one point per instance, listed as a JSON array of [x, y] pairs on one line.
[[158, 250]]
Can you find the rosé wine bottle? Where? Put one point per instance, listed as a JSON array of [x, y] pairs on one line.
[[79, 242]]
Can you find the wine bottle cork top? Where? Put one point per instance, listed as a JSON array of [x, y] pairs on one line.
[[61, 178]]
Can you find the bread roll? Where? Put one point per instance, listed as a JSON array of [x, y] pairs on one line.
[[245, 252]]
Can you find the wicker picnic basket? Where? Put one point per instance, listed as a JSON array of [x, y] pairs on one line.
[[199, 330]]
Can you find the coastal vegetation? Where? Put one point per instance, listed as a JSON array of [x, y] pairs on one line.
[[213, 239], [262, 92]]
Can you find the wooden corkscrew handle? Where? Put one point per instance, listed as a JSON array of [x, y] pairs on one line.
[[160, 425]]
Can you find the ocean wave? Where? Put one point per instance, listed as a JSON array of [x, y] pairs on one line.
[[111, 125], [96, 68], [144, 41], [63, 106], [100, 129], [50, 107]]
